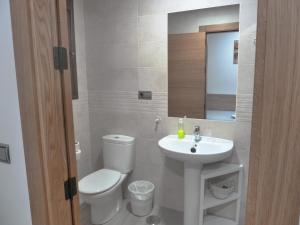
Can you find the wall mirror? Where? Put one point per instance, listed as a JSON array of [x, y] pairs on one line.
[[203, 63]]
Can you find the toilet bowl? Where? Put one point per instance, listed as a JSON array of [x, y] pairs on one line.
[[102, 189]]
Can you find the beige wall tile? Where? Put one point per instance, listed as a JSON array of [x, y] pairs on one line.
[[80, 107], [151, 54], [153, 78], [124, 79], [150, 7], [103, 56], [246, 79], [152, 28]]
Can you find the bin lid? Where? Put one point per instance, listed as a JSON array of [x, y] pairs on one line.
[[99, 181], [141, 187]]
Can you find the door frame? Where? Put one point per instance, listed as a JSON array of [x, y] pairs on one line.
[[28, 33], [215, 28]]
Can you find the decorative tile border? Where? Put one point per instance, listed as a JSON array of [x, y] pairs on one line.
[[244, 107], [127, 101]]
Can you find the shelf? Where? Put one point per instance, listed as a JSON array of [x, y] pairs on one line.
[[210, 204], [210, 201], [215, 220], [219, 169]]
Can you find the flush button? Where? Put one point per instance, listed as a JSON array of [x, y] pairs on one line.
[[4, 153], [145, 95]]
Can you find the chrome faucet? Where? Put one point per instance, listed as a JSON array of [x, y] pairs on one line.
[[197, 134]]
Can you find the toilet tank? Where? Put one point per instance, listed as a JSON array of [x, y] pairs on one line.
[[118, 152]]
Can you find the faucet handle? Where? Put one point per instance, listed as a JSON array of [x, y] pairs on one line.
[[196, 129]]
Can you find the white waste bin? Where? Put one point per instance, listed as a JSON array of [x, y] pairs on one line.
[[141, 197]]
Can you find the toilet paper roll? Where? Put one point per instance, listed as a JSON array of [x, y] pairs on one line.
[[77, 150]]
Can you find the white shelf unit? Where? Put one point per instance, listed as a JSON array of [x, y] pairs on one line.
[[208, 201], [215, 220]]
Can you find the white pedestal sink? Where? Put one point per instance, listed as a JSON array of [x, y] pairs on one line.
[[194, 155]]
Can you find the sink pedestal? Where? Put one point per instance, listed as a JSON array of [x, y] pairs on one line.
[[192, 187], [208, 150]]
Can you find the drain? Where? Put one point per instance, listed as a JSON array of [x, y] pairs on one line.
[[153, 220]]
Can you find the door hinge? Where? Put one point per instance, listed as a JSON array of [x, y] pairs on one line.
[[60, 58], [70, 188]]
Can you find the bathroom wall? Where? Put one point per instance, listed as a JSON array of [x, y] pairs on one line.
[[221, 71], [13, 188], [80, 106], [126, 51], [189, 21]]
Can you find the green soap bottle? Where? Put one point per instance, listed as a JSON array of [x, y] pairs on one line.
[[180, 132]]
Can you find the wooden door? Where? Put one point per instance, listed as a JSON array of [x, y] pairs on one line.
[[187, 82], [274, 179], [46, 109]]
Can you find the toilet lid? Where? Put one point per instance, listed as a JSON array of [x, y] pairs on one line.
[[99, 181]]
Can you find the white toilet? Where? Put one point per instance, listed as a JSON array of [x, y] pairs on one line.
[[103, 188]]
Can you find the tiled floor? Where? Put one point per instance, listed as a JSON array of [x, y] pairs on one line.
[[124, 217]]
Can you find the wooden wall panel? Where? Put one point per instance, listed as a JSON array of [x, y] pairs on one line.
[[186, 82], [41, 104], [274, 179]]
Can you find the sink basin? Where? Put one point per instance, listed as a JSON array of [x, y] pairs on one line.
[[194, 155], [208, 150]]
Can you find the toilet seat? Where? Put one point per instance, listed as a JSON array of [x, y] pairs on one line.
[[99, 181]]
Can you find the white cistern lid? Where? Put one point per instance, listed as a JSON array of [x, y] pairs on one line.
[[118, 139]]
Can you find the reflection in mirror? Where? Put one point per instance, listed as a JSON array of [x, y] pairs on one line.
[[202, 63]]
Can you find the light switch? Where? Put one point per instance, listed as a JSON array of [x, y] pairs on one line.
[[4, 153]]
